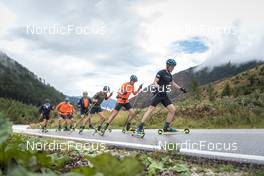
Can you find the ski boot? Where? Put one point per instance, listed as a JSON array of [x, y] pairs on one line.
[[103, 129], [72, 128], [128, 129], [66, 128], [138, 133]]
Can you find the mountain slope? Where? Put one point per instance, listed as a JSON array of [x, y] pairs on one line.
[[18, 83], [184, 78]]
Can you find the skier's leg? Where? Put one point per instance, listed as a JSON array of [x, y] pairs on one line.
[[89, 121], [145, 117], [82, 121], [147, 114], [171, 108], [112, 116], [110, 120], [131, 114], [60, 120], [71, 122], [171, 112], [102, 120]]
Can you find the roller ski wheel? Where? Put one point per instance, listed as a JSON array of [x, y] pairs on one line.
[[186, 131], [160, 131]]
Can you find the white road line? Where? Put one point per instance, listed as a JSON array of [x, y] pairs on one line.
[[118, 143]]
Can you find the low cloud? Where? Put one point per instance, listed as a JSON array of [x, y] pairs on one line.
[[246, 45]]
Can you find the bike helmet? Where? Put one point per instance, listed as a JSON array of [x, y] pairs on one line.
[[67, 99], [171, 62], [106, 89], [133, 78]]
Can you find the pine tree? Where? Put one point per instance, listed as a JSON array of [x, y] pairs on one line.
[[211, 92], [195, 89], [227, 90]]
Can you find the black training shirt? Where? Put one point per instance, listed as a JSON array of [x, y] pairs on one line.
[[165, 78]]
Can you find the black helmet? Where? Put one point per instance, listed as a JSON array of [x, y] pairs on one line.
[[133, 78], [106, 89]]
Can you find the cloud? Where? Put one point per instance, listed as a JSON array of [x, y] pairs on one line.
[[119, 41], [236, 48], [6, 18], [78, 58], [137, 37]]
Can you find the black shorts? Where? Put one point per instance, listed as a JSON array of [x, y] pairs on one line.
[[127, 106], [84, 111], [156, 99], [44, 116], [96, 109], [66, 117]]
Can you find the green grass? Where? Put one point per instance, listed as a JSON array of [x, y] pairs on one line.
[[18, 112], [109, 161]]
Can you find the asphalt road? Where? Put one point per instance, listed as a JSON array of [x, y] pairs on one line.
[[240, 145]]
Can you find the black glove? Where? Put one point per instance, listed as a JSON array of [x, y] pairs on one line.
[[183, 90], [141, 86]]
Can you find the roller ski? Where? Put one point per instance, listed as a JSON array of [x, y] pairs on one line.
[[104, 129], [44, 130], [97, 130], [171, 131], [130, 131], [102, 132], [58, 129]]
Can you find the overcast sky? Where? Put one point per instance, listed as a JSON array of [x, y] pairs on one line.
[[103, 42]]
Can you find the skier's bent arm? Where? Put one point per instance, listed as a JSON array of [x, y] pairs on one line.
[[110, 95], [156, 82], [139, 88], [174, 84], [95, 100]]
